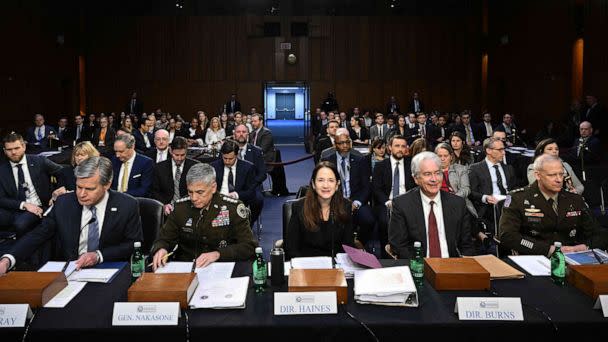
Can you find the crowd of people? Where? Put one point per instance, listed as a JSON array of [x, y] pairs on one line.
[[394, 177]]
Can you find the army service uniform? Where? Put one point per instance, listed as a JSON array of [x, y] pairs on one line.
[[222, 227], [529, 224]]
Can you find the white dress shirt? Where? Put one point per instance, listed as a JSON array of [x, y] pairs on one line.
[[224, 188], [438, 211], [161, 155], [122, 170], [147, 140], [171, 136], [31, 196], [489, 129], [402, 189], [495, 189], [345, 175], [39, 132], [100, 211]]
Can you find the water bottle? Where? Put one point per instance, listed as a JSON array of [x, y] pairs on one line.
[[558, 265], [260, 271], [277, 258], [417, 265], [138, 264]]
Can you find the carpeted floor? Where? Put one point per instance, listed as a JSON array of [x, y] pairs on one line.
[[287, 131]]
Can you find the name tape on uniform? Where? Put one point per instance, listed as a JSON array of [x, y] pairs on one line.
[[305, 303], [145, 313], [14, 315], [489, 309], [602, 303]]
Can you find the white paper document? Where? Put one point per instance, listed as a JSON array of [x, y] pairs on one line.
[[344, 262], [66, 295], [93, 275], [57, 266], [228, 293], [536, 265], [312, 263], [214, 271], [386, 286], [176, 267]]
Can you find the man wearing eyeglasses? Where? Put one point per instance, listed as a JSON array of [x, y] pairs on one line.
[[355, 174], [536, 216], [490, 180]]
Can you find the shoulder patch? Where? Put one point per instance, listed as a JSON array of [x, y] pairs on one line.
[[242, 210], [183, 199]]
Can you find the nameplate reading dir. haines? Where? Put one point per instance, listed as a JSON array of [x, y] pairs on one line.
[[145, 313], [489, 309], [305, 303]]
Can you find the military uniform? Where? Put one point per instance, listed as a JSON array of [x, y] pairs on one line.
[[222, 227], [529, 224]]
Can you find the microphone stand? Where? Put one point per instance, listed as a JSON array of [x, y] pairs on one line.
[[581, 148], [331, 226]]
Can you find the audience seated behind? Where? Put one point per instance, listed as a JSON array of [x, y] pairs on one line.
[[38, 135], [254, 155], [235, 178], [134, 171], [89, 226], [66, 181], [550, 147], [321, 221]]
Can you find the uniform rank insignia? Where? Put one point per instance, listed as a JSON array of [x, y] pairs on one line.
[[526, 243], [189, 222], [222, 244], [573, 213], [242, 210], [526, 202]]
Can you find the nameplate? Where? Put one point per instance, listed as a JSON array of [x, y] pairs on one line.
[[14, 315], [305, 303], [489, 309], [602, 303], [145, 313]]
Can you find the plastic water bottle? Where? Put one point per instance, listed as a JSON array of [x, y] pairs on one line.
[[558, 265], [138, 264], [417, 265], [260, 271]]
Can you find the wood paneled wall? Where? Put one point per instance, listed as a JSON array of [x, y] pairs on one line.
[[183, 64], [595, 68]]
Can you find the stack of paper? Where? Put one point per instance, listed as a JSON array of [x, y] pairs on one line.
[[176, 267], [216, 270], [386, 286], [66, 295], [536, 265], [59, 266], [228, 293], [347, 265], [311, 263], [590, 257], [94, 275]]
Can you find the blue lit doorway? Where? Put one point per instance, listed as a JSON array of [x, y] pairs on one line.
[[287, 107]]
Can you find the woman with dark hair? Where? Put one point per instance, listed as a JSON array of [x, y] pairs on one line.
[[377, 152], [194, 132], [550, 147], [455, 176], [358, 134], [462, 152], [321, 221], [400, 126], [418, 145]]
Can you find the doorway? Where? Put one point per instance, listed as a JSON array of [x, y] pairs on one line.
[[287, 107]]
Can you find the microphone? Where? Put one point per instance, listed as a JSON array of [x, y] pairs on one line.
[[91, 220]]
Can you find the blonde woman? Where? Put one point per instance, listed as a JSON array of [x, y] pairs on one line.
[[65, 179], [215, 133]]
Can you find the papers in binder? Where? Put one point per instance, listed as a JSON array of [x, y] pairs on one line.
[[176, 267], [66, 295], [386, 286], [590, 257], [228, 293], [93, 275], [312, 263], [216, 270], [536, 265]]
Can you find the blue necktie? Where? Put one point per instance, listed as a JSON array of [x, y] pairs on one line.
[[21, 181], [40, 134], [396, 181], [93, 238]]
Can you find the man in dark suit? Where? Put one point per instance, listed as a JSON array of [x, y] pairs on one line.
[[254, 155], [64, 133], [104, 136], [143, 136], [326, 140], [134, 171], [594, 113], [471, 131], [161, 152], [392, 107], [80, 131], [391, 178], [233, 105], [354, 175], [437, 219], [262, 138], [38, 135], [91, 225], [486, 127], [169, 183], [380, 129], [234, 177], [25, 185], [587, 147], [134, 106], [415, 105], [490, 181], [440, 133]]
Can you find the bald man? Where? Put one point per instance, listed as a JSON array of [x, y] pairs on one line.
[[161, 152]]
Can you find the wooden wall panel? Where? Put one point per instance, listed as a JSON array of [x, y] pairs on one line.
[[595, 68]]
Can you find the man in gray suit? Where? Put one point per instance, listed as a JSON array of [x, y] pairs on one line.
[[380, 129]]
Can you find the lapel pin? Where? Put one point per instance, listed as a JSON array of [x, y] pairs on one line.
[[113, 209]]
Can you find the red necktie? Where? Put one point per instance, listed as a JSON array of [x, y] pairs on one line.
[[434, 249]]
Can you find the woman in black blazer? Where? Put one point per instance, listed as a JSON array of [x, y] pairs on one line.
[[320, 222]]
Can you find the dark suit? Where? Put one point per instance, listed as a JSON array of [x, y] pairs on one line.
[[254, 155], [244, 184], [407, 224], [140, 142], [481, 184], [121, 228], [140, 177], [382, 184], [108, 142], [233, 107], [64, 136], [162, 186], [85, 133], [66, 178], [392, 108], [134, 108], [435, 134], [322, 143], [41, 169], [411, 107], [152, 154], [359, 174], [32, 139], [478, 133], [265, 142], [592, 151]]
